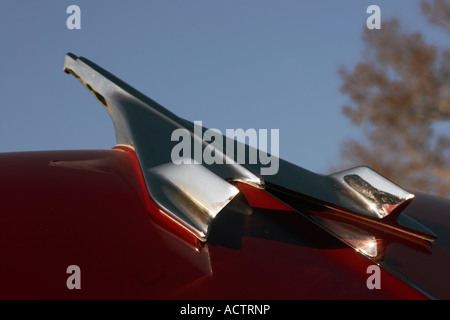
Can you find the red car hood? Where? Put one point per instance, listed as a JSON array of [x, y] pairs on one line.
[[91, 209]]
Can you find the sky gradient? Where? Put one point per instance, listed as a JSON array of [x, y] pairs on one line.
[[230, 64]]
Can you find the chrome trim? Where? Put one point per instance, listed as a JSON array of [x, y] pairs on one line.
[[358, 238], [192, 195], [377, 196], [359, 193]]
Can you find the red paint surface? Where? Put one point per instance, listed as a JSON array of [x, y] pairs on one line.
[[259, 198], [91, 209]]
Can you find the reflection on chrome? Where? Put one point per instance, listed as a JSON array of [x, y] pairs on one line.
[[194, 194], [370, 190], [367, 247], [357, 238], [191, 194]]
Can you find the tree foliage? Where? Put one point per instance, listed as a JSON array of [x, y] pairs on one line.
[[398, 95]]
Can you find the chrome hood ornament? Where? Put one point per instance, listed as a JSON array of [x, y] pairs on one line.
[[193, 194]]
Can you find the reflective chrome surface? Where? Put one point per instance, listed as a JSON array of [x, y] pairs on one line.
[[358, 195], [356, 237], [374, 193], [192, 195]]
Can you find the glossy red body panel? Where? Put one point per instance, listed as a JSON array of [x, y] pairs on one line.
[[91, 209], [428, 265]]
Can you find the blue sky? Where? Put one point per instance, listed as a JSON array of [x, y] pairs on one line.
[[231, 64]]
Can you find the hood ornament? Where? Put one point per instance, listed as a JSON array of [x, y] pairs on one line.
[[192, 194]]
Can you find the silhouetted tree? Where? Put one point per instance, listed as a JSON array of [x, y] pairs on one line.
[[398, 93]]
